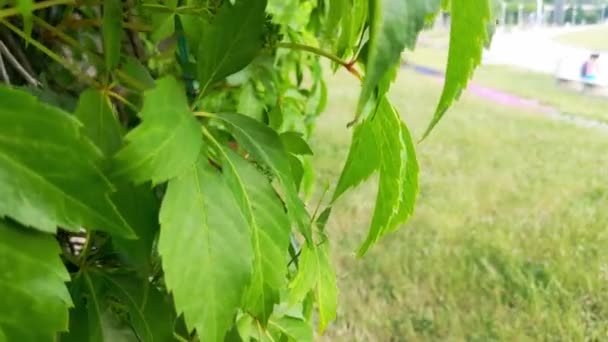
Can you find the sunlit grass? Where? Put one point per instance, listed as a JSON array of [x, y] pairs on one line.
[[508, 242]]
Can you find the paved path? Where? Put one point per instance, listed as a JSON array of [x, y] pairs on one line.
[[517, 102], [535, 49]]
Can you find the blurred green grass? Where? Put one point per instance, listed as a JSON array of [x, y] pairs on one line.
[[593, 38], [508, 242]]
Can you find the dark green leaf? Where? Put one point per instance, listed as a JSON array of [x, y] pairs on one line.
[[266, 147], [206, 250], [295, 143], [112, 32], [166, 142], [468, 33], [139, 206], [95, 112], [231, 41], [35, 300], [47, 170], [394, 24]]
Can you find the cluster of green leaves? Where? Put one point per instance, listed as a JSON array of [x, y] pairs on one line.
[[154, 185]]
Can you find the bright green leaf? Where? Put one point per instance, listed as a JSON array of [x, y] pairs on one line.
[[47, 170], [409, 178], [394, 24], [295, 143], [112, 32], [468, 34], [387, 130], [166, 142], [270, 228], [363, 158], [35, 299], [205, 245], [231, 41], [294, 328], [266, 147], [327, 290], [95, 112], [306, 278]]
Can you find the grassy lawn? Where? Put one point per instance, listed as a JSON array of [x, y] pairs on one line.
[[523, 83], [509, 238], [593, 39]]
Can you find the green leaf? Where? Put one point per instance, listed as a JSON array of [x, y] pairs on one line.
[[352, 25], [316, 272], [231, 41], [409, 179], [26, 7], [138, 72], [95, 112], [266, 147], [394, 24], [166, 142], [294, 143], [327, 290], [363, 158], [205, 245], [297, 170], [35, 299], [112, 32], [270, 228], [468, 33], [296, 329], [47, 170], [386, 127], [139, 206], [306, 278]]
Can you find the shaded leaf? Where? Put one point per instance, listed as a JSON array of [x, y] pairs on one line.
[[95, 112], [468, 33], [112, 32], [32, 283], [137, 71], [139, 206], [231, 41], [295, 143], [48, 176], [409, 178], [166, 142], [266, 147], [201, 222]]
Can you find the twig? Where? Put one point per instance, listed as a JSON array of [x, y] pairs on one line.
[[5, 77], [72, 68], [9, 12], [15, 63], [11, 43]]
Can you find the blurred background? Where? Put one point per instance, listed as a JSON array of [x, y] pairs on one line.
[[509, 239]]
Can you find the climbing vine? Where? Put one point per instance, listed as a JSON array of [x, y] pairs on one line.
[[154, 159]]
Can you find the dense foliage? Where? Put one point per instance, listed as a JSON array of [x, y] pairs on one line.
[[154, 162]]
